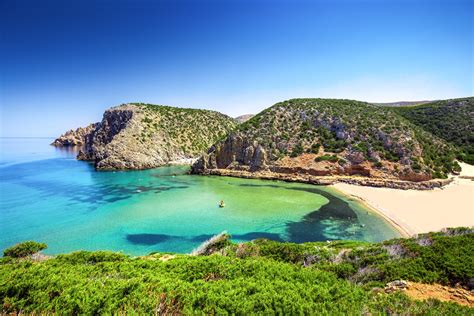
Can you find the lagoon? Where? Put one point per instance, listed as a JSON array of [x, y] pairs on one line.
[[47, 195]]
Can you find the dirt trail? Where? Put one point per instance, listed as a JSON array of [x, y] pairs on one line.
[[420, 291]]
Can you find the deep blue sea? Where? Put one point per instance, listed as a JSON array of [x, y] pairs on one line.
[[48, 196]]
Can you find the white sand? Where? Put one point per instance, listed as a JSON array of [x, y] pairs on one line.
[[422, 211]]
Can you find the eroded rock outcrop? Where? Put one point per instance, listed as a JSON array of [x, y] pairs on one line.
[[75, 137], [212, 245]]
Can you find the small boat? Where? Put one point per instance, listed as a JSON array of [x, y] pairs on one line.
[[221, 203]]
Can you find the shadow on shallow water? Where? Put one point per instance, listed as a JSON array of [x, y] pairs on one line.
[[101, 190], [154, 239], [334, 220]]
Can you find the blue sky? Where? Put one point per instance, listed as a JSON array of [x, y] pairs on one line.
[[62, 63]]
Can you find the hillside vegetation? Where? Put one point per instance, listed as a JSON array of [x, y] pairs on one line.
[[138, 136], [330, 136], [262, 277], [194, 129], [451, 120]]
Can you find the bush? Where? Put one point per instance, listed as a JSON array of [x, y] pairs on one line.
[[259, 277], [297, 150], [378, 164], [342, 162], [24, 249], [326, 157], [315, 148]]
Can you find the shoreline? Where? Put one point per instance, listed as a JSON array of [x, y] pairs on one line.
[[403, 230], [410, 208], [331, 180], [417, 212]]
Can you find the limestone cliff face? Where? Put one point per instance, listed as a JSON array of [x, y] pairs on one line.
[[235, 152], [327, 137], [141, 136], [112, 146], [75, 137]]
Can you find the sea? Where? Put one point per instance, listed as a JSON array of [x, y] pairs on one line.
[[46, 195]]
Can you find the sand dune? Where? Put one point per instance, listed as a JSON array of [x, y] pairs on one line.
[[422, 211]]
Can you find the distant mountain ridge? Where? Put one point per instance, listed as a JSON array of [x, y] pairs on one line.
[[244, 118], [402, 103]]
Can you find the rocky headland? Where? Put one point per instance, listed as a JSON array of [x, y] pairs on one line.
[[142, 136], [73, 138]]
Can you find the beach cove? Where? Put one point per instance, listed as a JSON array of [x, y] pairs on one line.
[[70, 206], [416, 211]]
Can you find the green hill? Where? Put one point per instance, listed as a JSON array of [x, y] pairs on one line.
[[333, 137], [451, 120], [139, 136], [259, 277]]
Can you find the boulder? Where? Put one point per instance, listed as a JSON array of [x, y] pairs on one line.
[[397, 285]]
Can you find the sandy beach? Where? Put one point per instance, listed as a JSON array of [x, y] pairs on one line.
[[414, 211]]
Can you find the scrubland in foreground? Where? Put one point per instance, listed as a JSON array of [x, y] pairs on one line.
[[263, 277]]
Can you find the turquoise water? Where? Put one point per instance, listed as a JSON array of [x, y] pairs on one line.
[[47, 195]]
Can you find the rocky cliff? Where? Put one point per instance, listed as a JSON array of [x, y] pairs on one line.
[[328, 137], [140, 136], [75, 137]]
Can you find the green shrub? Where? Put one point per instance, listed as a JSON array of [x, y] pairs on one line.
[[24, 249], [326, 157], [315, 148], [259, 277], [378, 164], [297, 150], [342, 162]]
